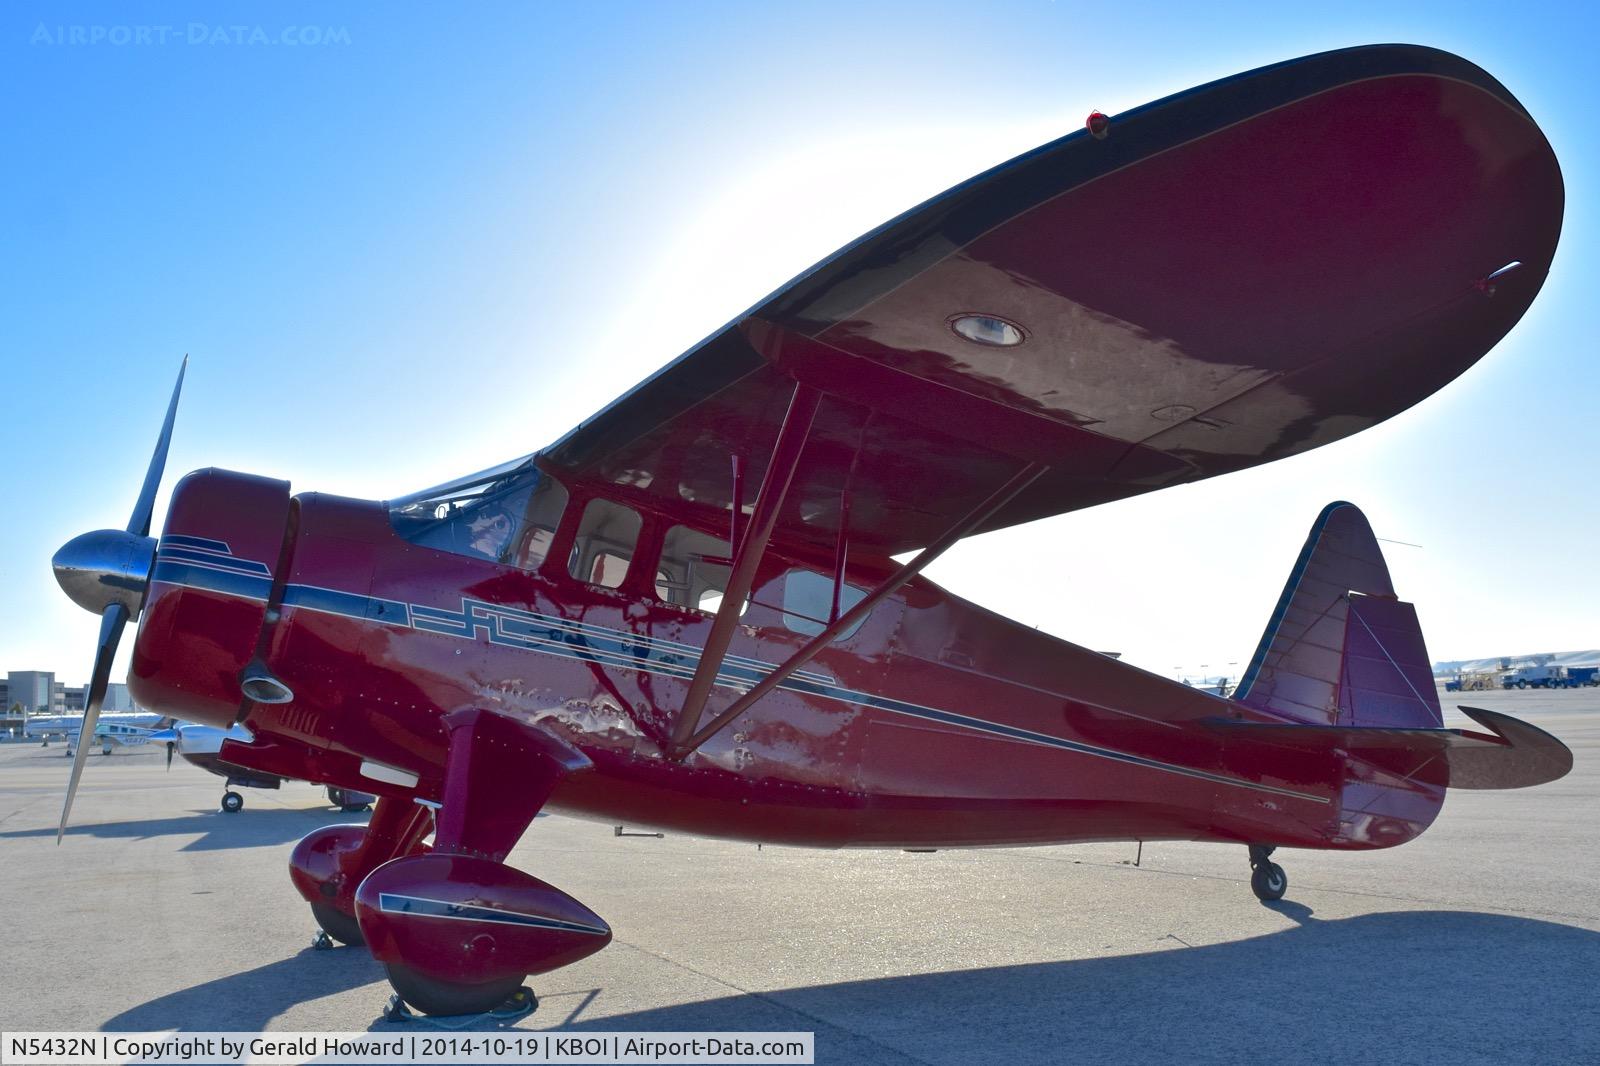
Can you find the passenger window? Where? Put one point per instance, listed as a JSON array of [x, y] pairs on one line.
[[609, 569], [545, 507], [808, 601], [604, 543], [686, 575]]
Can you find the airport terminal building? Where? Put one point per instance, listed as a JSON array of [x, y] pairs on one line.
[[29, 692]]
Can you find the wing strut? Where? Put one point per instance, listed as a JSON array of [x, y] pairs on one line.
[[841, 546], [963, 526], [750, 545]]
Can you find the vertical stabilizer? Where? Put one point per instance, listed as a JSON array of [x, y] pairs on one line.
[[1341, 648]]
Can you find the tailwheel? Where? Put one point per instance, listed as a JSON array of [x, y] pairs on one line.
[[232, 802], [1267, 879], [1269, 882], [336, 923], [432, 996]]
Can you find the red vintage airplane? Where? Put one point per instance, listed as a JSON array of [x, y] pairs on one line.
[[687, 612]]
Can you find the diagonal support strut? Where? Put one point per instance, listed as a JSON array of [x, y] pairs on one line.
[[963, 526], [752, 544]]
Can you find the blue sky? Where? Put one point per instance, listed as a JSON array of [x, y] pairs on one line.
[[402, 242]]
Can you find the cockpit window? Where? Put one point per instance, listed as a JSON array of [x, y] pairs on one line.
[[507, 514]]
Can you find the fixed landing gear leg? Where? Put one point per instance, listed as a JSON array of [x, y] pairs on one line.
[[503, 924], [329, 863], [1267, 879]]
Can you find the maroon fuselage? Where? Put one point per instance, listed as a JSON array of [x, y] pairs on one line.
[[935, 724]]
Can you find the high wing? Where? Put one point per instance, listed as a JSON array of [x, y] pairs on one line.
[[1233, 275]]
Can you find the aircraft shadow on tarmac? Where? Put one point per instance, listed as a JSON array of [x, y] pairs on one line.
[[1422, 986], [247, 829], [247, 1002]]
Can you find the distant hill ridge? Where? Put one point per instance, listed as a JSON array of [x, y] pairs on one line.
[[1510, 662]]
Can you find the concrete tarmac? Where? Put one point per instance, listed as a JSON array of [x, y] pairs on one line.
[[1478, 943]]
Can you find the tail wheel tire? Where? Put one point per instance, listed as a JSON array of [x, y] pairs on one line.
[[336, 923], [1269, 882], [431, 996], [232, 803]]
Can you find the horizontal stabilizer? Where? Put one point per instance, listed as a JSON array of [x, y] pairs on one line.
[[1513, 754]]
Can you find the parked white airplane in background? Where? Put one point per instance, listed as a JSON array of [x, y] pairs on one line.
[[202, 746], [125, 729]]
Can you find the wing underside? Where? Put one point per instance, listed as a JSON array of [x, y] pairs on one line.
[[1236, 274]]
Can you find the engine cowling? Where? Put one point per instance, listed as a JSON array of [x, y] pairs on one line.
[[210, 590]]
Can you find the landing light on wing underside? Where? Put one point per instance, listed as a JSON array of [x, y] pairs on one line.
[[988, 330]]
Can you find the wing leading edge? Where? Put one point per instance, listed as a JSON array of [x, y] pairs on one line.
[[1236, 274]]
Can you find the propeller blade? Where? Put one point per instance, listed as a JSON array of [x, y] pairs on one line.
[[171, 746], [139, 523], [111, 623]]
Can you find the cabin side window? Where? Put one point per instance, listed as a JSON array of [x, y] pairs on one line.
[[604, 544], [693, 571], [506, 515], [546, 504], [808, 603]]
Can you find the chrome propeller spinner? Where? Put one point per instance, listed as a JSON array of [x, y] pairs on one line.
[[108, 572]]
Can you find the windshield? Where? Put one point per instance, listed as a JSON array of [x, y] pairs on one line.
[[507, 513], [449, 489]]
